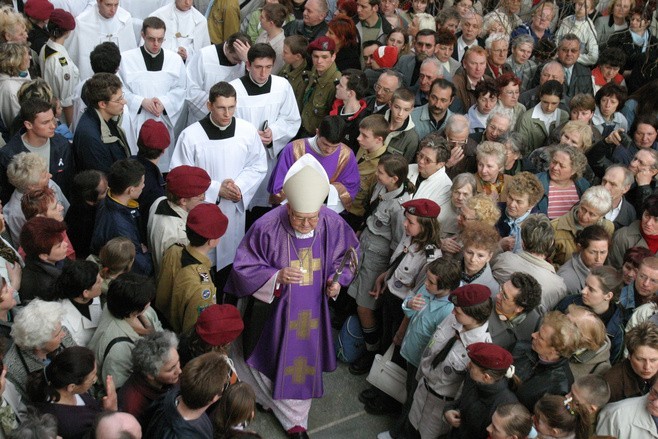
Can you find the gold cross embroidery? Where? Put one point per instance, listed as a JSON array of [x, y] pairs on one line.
[[299, 370], [304, 324], [307, 263]]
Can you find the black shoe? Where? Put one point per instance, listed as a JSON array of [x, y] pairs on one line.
[[363, 364], [298, 435], [369, 394], [383, 405]]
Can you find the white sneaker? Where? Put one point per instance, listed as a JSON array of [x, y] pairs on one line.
[[384, 435]]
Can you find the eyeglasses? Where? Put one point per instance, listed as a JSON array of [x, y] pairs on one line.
[[382, 89], [456, 142], [120, 100], [304, 219]]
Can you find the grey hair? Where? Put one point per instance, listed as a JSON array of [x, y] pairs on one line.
[[570, 37], [523, 39], [552, 64], [462, 180], [324, 6], [578, 159], [538, 235], [35, 425], [500, 112], [34, 325], [515, 141], [397, 75], [495, 149], [151, 352], [496, 36], [653, 153], [629, 178], [435, 62], [457, 123], [597, 197]]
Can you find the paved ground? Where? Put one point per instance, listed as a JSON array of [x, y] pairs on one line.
[[339, 414]]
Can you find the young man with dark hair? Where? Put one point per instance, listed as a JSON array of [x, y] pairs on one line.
[[182, 411], [118, 214], [350, 105], [295, 67], [38, 136], [321, 89], [336, 158], [433, 115], [402, 138], [232, 152], [268, 102], [155, 82], [185, 286], [212, 64], [99, 139], [371, 24]]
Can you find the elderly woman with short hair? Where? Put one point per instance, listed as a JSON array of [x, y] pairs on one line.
[[479, 208], [490, 177], [594, 204], [27, 171], [463, 188], [593, 354], [38, 335], [544, 366], [156, 369], [523, 192], [509, 90], [14, 65], [479, 240], [523, 67], [514, 151], [563, 182]]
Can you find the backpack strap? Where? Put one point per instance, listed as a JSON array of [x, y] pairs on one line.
[[111, 344]]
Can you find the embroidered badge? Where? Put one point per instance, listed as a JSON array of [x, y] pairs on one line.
[[447, 370], [63, 62], [204, 277], [67, 76], [205, 294], [398, 284]]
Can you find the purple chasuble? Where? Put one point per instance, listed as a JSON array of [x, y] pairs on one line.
[[349, 177], [296, 344]]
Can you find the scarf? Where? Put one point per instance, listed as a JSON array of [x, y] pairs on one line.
[[495, 188], [652, 241]]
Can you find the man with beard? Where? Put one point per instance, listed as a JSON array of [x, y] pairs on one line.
[[409, 65], [433, 115]]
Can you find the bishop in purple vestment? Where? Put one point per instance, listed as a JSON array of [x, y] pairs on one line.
[[288, 259]]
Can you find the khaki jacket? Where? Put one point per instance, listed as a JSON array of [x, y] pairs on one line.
[[318, 97]]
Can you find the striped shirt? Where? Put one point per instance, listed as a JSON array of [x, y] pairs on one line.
[[561, 199]]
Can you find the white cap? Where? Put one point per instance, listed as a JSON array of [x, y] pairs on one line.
[[306, 185]]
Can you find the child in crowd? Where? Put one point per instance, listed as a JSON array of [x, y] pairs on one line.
[[419, 246], [381, 235], [236, 410], [296, 68]]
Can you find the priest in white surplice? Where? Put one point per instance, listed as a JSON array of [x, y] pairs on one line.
[[187, 28], [266, 99], [230, 150], [212, 64], [155, 80], [105, 21]]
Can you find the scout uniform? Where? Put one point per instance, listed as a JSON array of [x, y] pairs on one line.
[[57, 67], [185, 286], [321, 90], [298, 79]]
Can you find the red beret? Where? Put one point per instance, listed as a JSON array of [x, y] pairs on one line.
[[154, 135], [207, 220], [386, 56], [322, 43], [63, 19], [422, 207], [489, 356], [38, 9], [469, 295], [219, 324], [187, 181]]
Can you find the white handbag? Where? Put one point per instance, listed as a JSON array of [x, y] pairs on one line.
[[388, 376]]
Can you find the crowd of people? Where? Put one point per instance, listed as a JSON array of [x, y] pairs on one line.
[[198, 200]]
